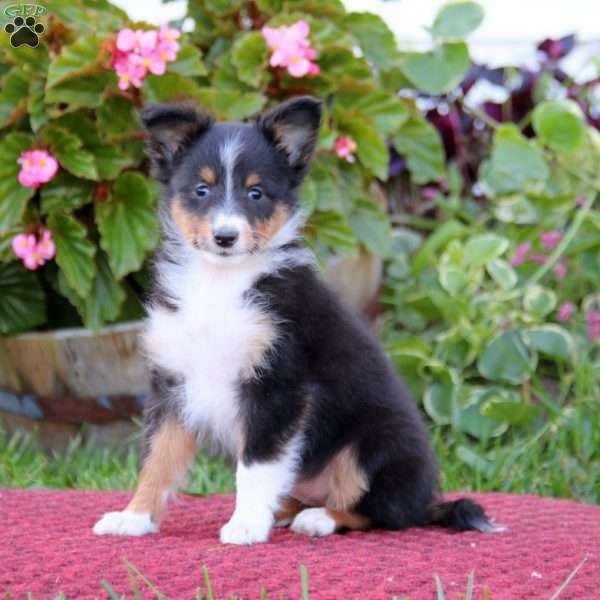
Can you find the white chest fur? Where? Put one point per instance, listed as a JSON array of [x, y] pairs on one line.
[[217, 337]]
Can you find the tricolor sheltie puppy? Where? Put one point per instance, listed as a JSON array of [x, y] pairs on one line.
[[253, 355]]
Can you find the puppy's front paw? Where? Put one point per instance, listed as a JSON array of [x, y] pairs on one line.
[[313, 521], [245, 530], [125, 523]]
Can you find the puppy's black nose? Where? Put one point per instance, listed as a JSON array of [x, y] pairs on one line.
[[226, 237]]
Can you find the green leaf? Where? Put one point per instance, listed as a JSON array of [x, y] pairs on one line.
[[75, 60], [371, 226], [438, 239], [188, 62], [83, 91], [68, 149], [117, 117], [453, 279], [36, 106], [6, 239], [232, 105], [111, 160], [551, 340], [509, 411], [222, 7], [386, 110], [456, 20], [332, 230], [439, 70], [269, 6], [74, 252], [65, 193], [421, 144], [539, 301], [103, 304], [502, 273], [128, 223], [22, 305], [439, 402], [483, 248], [374, 36], [516, 209], [371, 148], [472, 419], [326, 187], [13, 196], [515, 163], [507, 359], [169, 88], [559, 124], [249, 55], [13, 96]]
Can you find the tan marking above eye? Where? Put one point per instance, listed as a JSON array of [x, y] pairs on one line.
[[208, 175], [252, 179]]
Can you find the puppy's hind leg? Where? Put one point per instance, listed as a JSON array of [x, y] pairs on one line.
[[171, 452], [321, 521]]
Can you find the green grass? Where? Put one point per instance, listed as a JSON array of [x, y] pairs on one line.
[[90, 467], [560, 457], [141, 587]]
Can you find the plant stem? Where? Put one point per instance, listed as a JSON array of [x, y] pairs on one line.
[[480, 114], [414, 221], [563, 244]]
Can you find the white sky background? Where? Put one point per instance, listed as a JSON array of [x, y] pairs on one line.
[[507, 35]]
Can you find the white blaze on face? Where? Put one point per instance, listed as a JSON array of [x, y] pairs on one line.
[[229, 153]]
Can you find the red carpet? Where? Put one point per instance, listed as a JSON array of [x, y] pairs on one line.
[[46, 546]]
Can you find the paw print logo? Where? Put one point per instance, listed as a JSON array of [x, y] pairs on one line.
[[24, 31]]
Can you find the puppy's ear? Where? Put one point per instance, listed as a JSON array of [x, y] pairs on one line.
[[171, 129], [293, 127]]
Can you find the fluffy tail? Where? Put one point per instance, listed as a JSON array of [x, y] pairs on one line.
[[462, 515]]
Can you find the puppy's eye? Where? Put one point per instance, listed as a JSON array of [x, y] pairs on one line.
[[255, 193], [202, 190]]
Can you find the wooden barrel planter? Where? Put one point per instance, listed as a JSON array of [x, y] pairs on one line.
[[57, 381]]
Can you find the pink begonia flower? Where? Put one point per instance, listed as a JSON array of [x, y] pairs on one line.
[[580, 201], [33, 253], [345, 147], [168, 38], [291, 49], [23, 245], [592, 318], [126, 40], [560, 270], [46, 246], [566, 310], [520, 254], [139, 52], [130, 73], [540, 259], [429, 192], [148, 62], [37, 167], [549, 239], [297, 65], [165, 51], [146, 41]]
